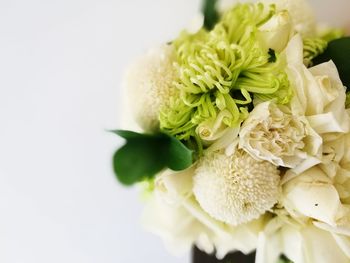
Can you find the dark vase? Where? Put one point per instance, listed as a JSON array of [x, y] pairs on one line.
[[200, 257]]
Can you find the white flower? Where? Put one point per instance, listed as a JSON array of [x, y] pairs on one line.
[[149, 84], [226, 238], [174, 215], [301, 13], [333, 153], [336, 164], [196, 23], [175, 186], [225, 141], [329, 100], [320, 196], [301, 243], [213, 129], [273, 134], [235, 189], [276, 32], [175, 225], [312, 194], [165, 214], [319, 92]]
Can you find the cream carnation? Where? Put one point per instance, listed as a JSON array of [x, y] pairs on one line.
[[235, 189], [149, 83], [273, 134]]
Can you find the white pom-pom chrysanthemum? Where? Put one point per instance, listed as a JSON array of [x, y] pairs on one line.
[[235, 189], [149, 84]]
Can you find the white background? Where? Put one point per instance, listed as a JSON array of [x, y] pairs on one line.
[[61, 65]]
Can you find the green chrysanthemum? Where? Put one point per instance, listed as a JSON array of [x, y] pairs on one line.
[[315, 46], [347, 101], [312, 48], [224, 70]]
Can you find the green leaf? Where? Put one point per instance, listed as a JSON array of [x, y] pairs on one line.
[[211, 15], [137, 161], [178, 156], [284, 259], [129, 135], [339, 51], [272, 55], [145, 155]]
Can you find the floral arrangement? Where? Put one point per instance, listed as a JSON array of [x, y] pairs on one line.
[[244, 135]]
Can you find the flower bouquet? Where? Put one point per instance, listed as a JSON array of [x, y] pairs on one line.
[[244, 135]]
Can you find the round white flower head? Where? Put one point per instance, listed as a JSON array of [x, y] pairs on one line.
[[235, 189], [149, 83], [301, 12]]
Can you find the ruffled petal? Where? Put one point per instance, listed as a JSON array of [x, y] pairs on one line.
[[312, 194]]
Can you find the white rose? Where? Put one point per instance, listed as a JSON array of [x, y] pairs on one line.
[[336, 164], [312, 194], [166, 215], [319, 92], [213, 129], [301, 244], [333, 153], [301, 13], [342, 177], [273, 134], [226, 238], [175, 225], [175, 186], [173, 213], [276, 32]]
